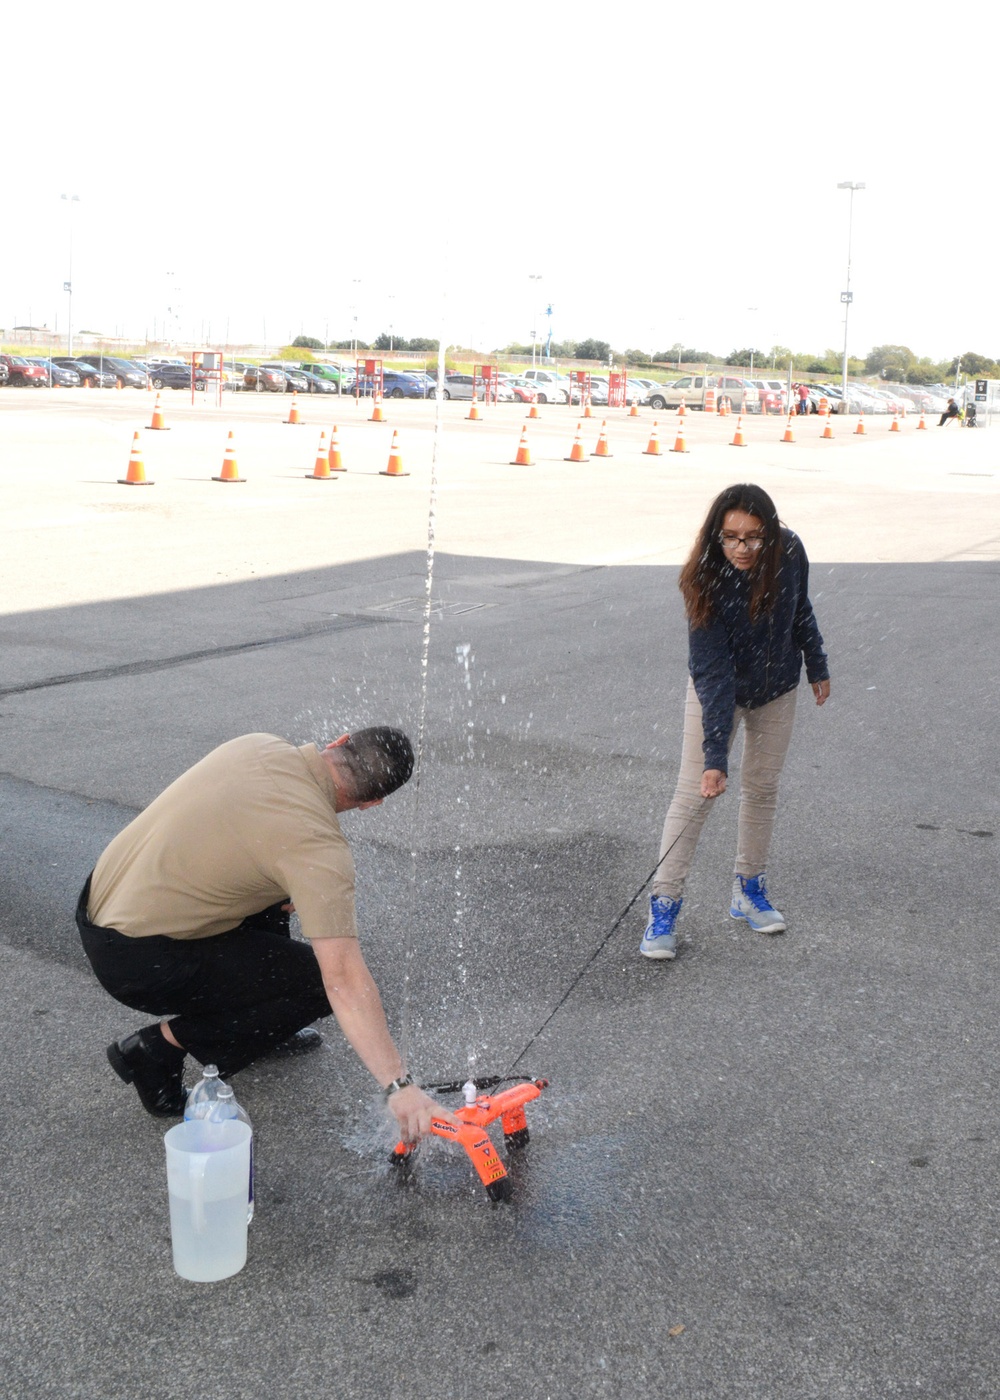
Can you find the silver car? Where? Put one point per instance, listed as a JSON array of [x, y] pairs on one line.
[[460, 386]]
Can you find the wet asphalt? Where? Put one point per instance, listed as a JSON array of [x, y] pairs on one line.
[[765, 1170]]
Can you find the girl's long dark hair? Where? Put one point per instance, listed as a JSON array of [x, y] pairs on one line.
[[701, 575]]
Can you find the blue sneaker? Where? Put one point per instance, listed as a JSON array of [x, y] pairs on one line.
[[750, 902], [659, 940]]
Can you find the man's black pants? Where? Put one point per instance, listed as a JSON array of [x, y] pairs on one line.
[[230, 998]]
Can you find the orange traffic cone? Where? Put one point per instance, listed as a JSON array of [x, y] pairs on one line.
[[634, 410], [861, 429], [523, 458], [788, 435], [157, 424], [682, 409], [293, 412], [533, 411], [336, 465], [321, 470], [377, 417], [587, 411], [601, 450], [136, 474], [679, 444], [827, 430], [473, 413], [921, 424], [576, 452], [230, 471], [738, 438], [653, 448], [894, 425], [394, 467]]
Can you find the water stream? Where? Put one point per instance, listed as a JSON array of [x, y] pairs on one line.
[[425, 651]]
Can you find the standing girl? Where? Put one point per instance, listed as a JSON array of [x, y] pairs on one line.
[[750, 624]]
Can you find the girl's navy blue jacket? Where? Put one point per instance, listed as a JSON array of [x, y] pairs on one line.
[[734, 661]]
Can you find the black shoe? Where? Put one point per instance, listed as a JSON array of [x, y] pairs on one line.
[[158, 1086], [300, 1043]]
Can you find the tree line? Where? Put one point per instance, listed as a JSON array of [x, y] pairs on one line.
[[385, 341]]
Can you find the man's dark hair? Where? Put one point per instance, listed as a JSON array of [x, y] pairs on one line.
[[379, 760]]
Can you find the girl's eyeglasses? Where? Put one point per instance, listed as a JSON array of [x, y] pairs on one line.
[[729, 541]]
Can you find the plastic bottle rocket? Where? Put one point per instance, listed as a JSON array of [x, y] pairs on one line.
[[213, 1100], [204, 1094], [225, 1106]]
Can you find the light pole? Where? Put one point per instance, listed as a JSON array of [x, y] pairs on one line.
[[174, 311], [846, 297], [70, 199], [534, 277], [355, 281]]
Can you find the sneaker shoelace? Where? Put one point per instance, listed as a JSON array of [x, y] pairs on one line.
[[757, 896]]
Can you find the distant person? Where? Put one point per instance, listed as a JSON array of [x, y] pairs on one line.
[[952, 411], [803, 404], [185, 916], [750, 624]]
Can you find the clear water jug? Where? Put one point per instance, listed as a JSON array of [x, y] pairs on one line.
[[208, 1177]]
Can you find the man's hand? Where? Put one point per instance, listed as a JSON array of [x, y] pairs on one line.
[[821, 690], [413, 1111], [713, 783]]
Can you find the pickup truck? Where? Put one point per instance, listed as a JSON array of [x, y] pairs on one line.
[[691, 388], [22, 372]]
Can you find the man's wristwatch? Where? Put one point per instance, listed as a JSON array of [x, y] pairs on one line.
[[403, 1082]]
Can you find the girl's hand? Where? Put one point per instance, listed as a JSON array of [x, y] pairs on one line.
[[821, 690], [713, 783]]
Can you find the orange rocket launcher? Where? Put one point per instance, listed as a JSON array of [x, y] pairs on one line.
[[476, 1113]]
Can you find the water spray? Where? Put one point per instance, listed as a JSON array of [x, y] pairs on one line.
[[479, 1109]]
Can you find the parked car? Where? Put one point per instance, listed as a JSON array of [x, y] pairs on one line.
[[178, 377], [633, 389], [316, 383], [232, 375], [893, 402], [550, 386], [124, 373], [4, 373], [598, 393], [522, 389], [325, 370], [264, 379], [770, 396], [58, 378], [400, 384], [295, 380], [90, 375], [460, 386], [21, 372]]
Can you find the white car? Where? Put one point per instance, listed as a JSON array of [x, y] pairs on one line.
[[551, 387]]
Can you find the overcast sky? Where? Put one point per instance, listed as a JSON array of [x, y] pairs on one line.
[[670, 172]]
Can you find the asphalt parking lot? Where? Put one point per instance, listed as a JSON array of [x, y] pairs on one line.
[[766, 1170]]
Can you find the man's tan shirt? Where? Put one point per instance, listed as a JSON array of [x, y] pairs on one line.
[[253, 823]]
